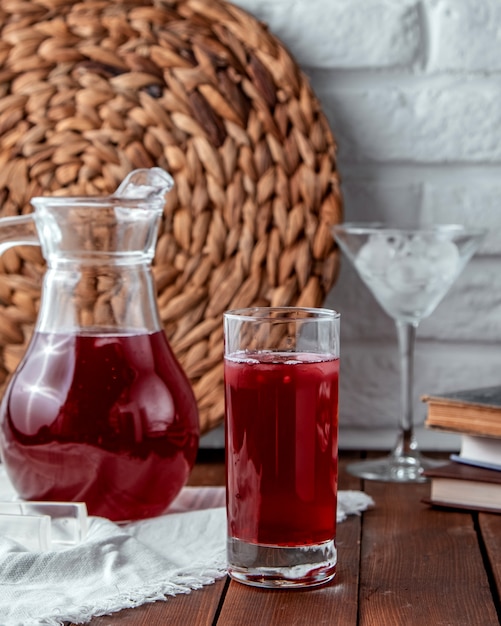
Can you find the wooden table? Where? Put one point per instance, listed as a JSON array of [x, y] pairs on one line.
[[401, 563]]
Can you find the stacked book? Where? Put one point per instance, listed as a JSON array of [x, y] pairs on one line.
[[472, 478]]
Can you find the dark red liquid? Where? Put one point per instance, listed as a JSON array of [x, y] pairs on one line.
[[281, 446], [108, 420]]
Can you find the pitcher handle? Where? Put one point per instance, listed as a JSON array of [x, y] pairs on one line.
[[19, 230]]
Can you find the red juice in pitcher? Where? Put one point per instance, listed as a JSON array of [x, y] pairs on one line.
[[281, 434], [106, 419]]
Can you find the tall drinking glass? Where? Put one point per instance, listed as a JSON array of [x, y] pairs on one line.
[[281, 393], [408, 271]]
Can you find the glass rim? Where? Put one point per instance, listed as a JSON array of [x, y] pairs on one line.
[[383, 227], [283, 313], [72, 202]]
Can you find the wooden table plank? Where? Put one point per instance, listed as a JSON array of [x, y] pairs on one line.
[[336, 603], [490, 527], [209, 473], [420, 566], [197, 608]]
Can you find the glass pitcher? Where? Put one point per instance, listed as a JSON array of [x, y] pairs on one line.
[[99, 409]]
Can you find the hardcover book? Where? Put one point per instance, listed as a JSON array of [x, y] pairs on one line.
[[460, 485], [470, 411], [480, 451]]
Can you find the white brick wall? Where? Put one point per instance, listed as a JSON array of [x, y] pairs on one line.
[[412, 90]]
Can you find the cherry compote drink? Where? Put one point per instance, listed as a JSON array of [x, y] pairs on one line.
[[105, 419]]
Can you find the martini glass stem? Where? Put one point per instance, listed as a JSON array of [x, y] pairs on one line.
[[406, 445]]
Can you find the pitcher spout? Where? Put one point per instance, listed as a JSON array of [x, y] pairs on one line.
[[147, 184]]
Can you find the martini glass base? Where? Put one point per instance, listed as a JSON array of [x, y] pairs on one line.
[[395, 469]]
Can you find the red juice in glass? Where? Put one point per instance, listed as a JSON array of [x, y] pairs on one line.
[[106, 419], [281, 438]]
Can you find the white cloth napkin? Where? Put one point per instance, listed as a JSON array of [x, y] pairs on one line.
[[119, 567]]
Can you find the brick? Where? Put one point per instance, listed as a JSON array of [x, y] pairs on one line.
[[344, 34], [473, 202], [471, 311], [367, 395], [390, 202], [418, 123], [464, 35], [370, 379]]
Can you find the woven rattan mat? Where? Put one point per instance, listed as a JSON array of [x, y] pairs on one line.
[[90, 90]]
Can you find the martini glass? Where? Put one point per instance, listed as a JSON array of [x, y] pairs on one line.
[[408, 271]]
